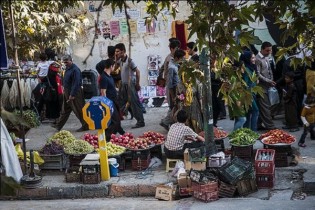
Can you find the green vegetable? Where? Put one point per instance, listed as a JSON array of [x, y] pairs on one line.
[[243, 137]]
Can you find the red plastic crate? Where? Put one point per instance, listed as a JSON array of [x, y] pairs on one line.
[[209, 187], [265, 180], [265, 166], [140, 164], [206, 196]]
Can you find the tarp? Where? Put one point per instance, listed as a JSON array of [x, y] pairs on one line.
[[3, 47]]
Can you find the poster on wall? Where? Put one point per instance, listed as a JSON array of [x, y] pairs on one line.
[[160, 91], [114, 28], [144, 92], [151, 27], [123, 27], [106, 30], [152, 80], [134, 13], [153, 62], [133, 27], [153, 73], [119, 14], [152, 91], [141, 27]]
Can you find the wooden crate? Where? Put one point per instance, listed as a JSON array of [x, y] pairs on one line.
[[226, 190], [53, 162], [91, 178], [140, 164], [206, 196], [73, 175], [244, 152], [209, 187], [245, 187]]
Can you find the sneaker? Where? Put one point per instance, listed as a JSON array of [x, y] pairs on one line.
[[302, 145], [138, 125]]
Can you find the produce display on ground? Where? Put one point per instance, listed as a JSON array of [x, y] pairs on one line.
[[92, 139], [62, 137], [52, 149], [78, 147], [30, 117], [153, 137], [277, 136], [145, 141], [218, 133], [243, 137], [113, 149]]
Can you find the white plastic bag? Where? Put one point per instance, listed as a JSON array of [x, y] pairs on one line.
[[273, 96], [179, 164]]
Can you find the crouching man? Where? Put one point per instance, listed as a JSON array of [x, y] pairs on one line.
[[180, 137]]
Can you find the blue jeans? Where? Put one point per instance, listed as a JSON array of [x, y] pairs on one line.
[[239, 122], [251, 120]]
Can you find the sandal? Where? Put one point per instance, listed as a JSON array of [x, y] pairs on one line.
[[302, 145]]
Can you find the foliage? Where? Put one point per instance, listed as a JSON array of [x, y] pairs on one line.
[[43, 24]]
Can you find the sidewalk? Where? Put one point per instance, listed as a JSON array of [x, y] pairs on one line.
[[128, 185]]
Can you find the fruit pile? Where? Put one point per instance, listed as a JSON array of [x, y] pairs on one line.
[[277, 136], [62, 137], [218, 133], [113, 149], [92, 139], [30, 117], [52, 149], [139, 143], [78, 147], [121, 140], [153, 137]]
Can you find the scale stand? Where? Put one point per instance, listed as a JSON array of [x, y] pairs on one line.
[[31, 180]]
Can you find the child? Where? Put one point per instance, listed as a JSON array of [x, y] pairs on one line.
[[308, 119], [290, 106]]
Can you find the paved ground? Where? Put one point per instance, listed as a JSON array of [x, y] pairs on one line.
[[289, 181]]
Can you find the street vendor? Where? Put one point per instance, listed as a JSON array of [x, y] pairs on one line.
[[180, 137]]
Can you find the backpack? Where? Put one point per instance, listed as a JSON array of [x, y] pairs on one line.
[[90, 83]]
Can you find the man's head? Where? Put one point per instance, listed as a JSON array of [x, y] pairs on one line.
[[191, 48], [43, 56], [111, 52], [266, 49], [109, 64], [289, 76], [179, 55], [120, 50], [182, 116], [174, 45], [67, 60]]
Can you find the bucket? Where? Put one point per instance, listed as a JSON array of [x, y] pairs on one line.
[[113, 169], [112, 161]]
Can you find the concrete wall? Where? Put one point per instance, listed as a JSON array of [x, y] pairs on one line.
[[143, 44]]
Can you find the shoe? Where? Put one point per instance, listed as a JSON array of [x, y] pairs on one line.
[[140, 125], [294, 129], [82, 129], [164, 126], [302, 145]]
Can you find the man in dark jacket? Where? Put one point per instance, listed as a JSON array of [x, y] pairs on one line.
[[73, 99]]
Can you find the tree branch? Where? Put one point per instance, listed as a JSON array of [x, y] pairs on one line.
[[129, 30]]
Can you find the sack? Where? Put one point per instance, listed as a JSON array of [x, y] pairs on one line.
[[50, 94], [273, 96]]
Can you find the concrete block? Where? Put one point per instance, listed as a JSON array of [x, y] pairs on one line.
[[309, 186], [93, 191], [124, 190], [147, 190], [38, 193], [64, 192], [260, 194], [281, 195]]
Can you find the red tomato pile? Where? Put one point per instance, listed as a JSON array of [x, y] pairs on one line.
[[92, 139], [277, 136], [218, 133]]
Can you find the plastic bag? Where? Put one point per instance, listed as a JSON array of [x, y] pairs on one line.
[[273, 96], [179, 164]]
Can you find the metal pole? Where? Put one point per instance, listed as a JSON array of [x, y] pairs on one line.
[[16, 60], [207, 104]]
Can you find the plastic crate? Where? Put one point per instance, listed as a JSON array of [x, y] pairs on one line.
[[265, 166], [185, 191], [244, 152], [73, 175], [206, 196], [75, 160], [91, 178], [265, 180], [247, 186], [216, 162], [53, 162], [140, 164], [209, 187], [226, 190], [220, 145]]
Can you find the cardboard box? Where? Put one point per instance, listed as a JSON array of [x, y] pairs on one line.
[[185, 191], [186, 155], [184, 181], [198, 166], [164, 192]]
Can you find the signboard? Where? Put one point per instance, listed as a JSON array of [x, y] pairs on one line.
[[3, 47]]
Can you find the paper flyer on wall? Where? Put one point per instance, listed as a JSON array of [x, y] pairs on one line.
[[119, 14], [123, 27], [133, 27], [152, 91], [144, 92], [151, 26], [106, 30], [153, 73], [114, 28], [152, 80], [160, 91], [153, 62], [134, 13], [141, 27]]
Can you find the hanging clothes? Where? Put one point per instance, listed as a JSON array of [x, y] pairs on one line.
[[22, 85], [27, 93], [13, 94], [180, 31], [5, 94]]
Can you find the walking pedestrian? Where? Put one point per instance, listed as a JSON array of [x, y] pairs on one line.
[[128, 89], [73, 99], [308, 119]]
